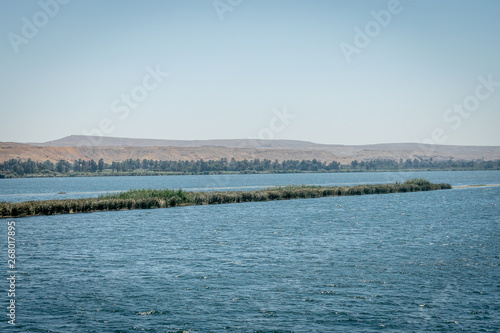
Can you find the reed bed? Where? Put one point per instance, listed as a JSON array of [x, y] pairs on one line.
[[149, 199]]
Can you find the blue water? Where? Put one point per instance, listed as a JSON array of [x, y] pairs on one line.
[[409, 262], [16, 190]]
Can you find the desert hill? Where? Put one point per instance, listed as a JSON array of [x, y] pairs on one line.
[[118, 149]]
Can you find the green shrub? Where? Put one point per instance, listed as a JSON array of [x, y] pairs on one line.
[[418, 181]]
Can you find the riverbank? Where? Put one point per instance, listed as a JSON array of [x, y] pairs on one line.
[[149, 198], [205, 173]]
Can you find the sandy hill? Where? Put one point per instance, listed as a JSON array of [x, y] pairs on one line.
[[118, 149]]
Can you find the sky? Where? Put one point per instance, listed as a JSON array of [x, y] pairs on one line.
[[326, 71]]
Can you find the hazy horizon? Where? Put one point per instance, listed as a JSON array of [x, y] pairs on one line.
[[328, 72], [237, 139]]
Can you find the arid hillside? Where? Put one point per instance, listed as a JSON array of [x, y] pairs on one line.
[[119, 149], [117, 154]]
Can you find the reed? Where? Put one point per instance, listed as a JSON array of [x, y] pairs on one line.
[[149, 198]]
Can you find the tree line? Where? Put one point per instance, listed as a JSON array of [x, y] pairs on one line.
[[19, 168]]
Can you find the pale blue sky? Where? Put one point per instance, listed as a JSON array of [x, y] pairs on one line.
[[227, 77]]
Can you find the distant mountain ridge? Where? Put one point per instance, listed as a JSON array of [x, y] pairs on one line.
[[106, 141], [113, 149]]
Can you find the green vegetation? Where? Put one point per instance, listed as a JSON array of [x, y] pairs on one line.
[[419, 182], [16, 168], [147, 199]]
